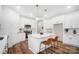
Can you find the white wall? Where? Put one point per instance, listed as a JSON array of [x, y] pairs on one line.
[[55, 20], [0, 18], [10, 23], [71, 20]]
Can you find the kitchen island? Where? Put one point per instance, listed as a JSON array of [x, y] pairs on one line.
[[34, 41], [3, 44]]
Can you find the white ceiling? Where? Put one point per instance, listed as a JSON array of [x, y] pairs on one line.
[[51, 10]]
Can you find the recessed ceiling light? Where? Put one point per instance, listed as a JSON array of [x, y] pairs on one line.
[[18, 7], [37, 18], [45, 15], [68, 6], [31, 14]]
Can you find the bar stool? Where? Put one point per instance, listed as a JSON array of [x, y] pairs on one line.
[[46, 43], [55, 43]]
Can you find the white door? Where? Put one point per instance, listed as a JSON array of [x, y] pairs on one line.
[[58, 30]]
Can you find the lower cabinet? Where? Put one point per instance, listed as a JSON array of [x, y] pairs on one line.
[[72, 40], [5, 49], [3, 45]]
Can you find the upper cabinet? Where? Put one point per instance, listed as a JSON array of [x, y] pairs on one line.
[[71, 20], [58, 19]]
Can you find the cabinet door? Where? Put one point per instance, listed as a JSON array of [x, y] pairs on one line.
[[67, 39], [72, 40], [76, 41]]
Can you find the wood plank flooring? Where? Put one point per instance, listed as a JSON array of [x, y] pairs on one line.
[[22, 48]]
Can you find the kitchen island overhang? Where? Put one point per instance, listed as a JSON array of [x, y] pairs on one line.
[[34, 41]]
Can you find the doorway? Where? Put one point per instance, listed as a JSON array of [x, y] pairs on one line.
[[40, 26]]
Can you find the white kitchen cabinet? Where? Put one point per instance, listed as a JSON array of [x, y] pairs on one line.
[[71, 25], [71, 39], [3, 44]]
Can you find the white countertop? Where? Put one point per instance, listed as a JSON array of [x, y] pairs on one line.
[[34, 41], [41, 36]]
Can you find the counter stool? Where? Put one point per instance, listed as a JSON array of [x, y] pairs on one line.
[[55, 43], [46, 43]]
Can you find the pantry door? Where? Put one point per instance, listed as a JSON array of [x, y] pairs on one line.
[[58, 30]]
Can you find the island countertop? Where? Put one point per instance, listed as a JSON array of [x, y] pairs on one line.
[[42, 36], [34, 41]]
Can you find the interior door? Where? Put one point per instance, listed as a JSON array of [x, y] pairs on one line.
[[58, 30]]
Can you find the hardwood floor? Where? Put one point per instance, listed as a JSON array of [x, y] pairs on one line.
[[22, 48]]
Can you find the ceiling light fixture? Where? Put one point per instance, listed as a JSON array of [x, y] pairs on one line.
[[18, 7], [31, 14], [37, 5], [45, 10], [37, 18], [45, 15]]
